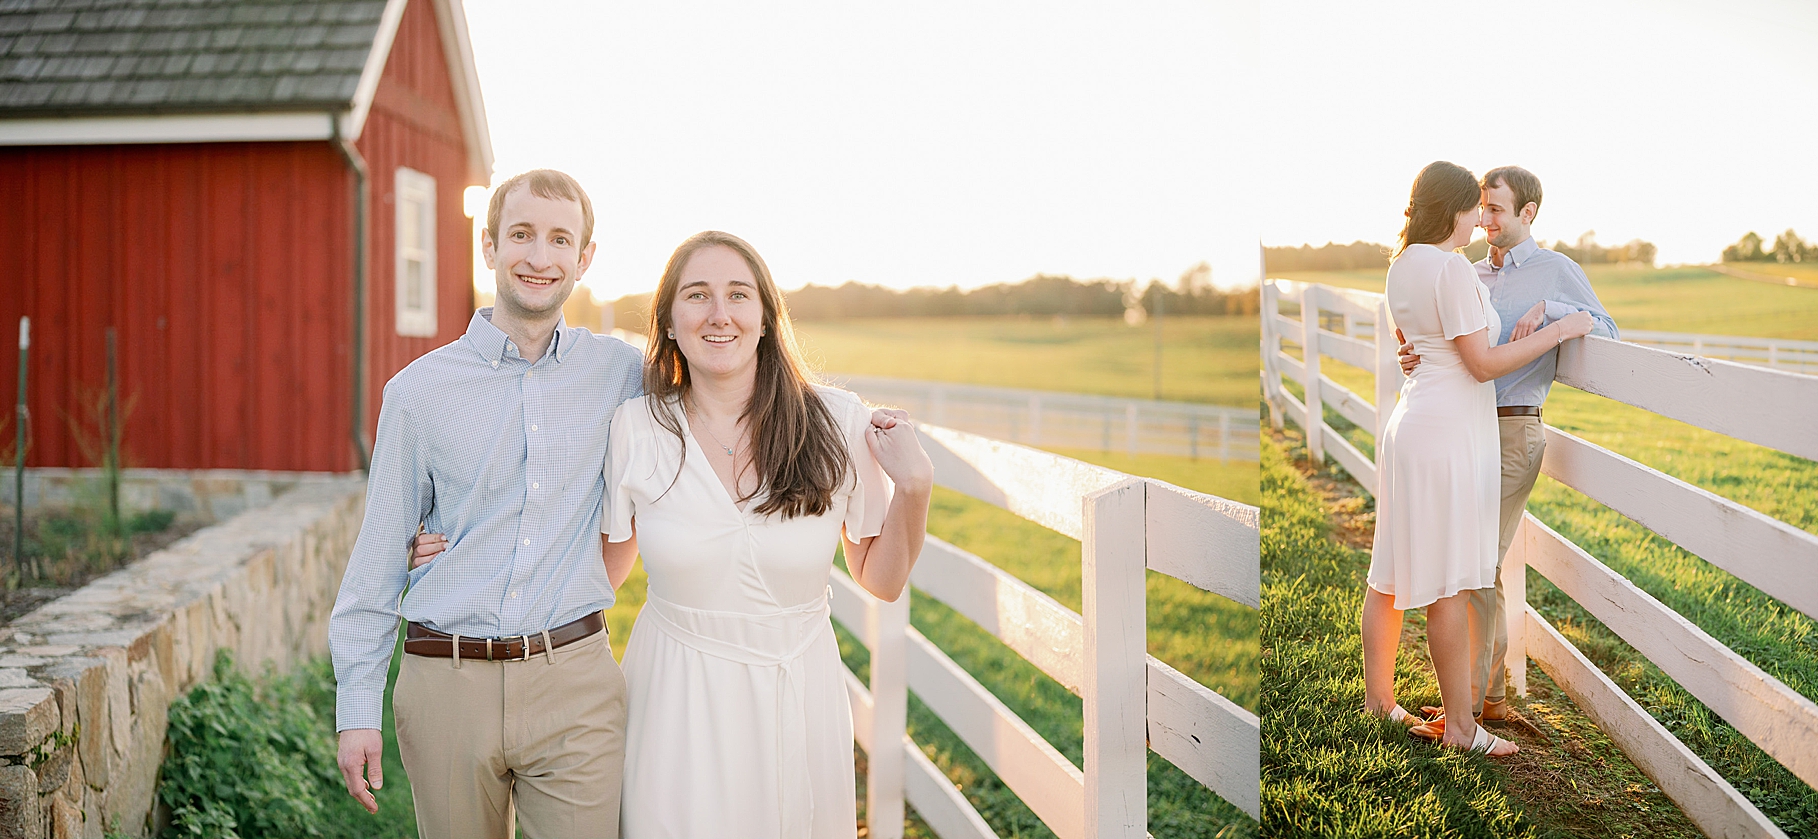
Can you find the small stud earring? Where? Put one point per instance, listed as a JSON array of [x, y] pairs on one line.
[[671, 334]]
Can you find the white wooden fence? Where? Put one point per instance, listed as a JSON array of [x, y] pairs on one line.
[[1792, 356], [1778, 353], [1070, 420], [1767, 407], [1125, 525]]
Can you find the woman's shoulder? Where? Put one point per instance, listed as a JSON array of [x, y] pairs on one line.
[[633, 415], [842, 404]]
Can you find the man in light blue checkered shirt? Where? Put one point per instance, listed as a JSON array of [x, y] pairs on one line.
[[496, 440]]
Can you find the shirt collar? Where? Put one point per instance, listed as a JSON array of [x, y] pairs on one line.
[[492, 341], [1520, 253]]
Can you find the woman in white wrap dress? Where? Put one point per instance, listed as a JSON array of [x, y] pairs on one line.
[[1438, 472], [736, 479]]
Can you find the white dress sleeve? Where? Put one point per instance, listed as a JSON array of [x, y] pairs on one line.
[[1460, 309], [869, 492], [615, 520]]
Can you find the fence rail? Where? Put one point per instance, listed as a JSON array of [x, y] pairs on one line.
[[1793, 356], [1070, 420], [1132, 701], [1767, 407]]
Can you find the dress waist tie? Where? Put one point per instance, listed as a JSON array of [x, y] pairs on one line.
[[780, 640]]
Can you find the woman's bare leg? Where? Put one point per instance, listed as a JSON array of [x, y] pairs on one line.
[[1450, 645], [1381, 639]]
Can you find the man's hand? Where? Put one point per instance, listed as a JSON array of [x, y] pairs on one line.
[[1405, 352], [359, 756], [1530, 322]]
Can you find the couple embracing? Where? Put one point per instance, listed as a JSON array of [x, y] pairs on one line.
[[1463, 445], [517, 474]]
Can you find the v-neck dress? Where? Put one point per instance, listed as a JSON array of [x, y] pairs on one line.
[[1438, 470], [739, 721]]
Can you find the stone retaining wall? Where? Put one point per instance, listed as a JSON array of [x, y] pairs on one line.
[[86, 681]]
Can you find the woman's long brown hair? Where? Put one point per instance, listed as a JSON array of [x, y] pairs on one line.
[[1441, 191], [797, 449]]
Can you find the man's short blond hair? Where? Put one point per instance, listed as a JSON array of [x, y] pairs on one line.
[[543, 183]]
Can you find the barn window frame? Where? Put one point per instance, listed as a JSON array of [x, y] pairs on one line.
[[415, 195]]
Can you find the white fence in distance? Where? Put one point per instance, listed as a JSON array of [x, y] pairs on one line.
[[1070, 420], [1133, 702], [1767, 407]]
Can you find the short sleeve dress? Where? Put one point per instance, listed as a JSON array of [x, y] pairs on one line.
[[1437, 468], [739, 721]]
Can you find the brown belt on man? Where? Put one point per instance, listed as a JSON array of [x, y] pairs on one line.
[[1518, 411], [421, 640]]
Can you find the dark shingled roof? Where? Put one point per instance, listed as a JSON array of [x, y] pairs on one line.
[[94, 57]]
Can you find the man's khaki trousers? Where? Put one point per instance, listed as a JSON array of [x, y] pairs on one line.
[[1524, 440], [493, 743]]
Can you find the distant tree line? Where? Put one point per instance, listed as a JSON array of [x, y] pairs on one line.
[[1372, 256], [1043, 295], [1788, 247]]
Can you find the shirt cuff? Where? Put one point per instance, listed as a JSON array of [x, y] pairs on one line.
[[358, 709], [1557, 310]]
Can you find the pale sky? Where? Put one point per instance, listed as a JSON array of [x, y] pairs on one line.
[[1683, 123], [901, 144]]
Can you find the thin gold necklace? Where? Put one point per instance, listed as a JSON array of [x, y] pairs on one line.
[[715, 437]]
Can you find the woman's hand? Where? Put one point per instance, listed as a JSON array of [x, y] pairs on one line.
[[1575, 325], [425, 548], [899, 451], [1530, 322]]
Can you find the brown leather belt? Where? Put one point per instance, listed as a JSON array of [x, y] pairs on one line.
[[421, 640], [1518, 411]]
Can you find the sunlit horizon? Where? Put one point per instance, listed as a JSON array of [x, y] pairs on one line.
[[1682, 124], [933, 145]]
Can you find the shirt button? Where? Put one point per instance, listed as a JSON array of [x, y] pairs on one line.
[[535, 485], [514, 595], [526, 541], [495, 365], [533, 428], [531, 373]]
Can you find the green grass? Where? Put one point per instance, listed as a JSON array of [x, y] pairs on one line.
[[1772, 636], [1330, 770], [1204, 359], [1685, 299]]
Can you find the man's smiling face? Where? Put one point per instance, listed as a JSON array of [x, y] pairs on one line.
[[538, 257], [1505, 224]]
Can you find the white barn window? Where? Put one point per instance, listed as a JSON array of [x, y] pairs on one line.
[[415, 244]]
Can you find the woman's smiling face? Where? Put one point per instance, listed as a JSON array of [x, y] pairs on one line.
[[717, 316]]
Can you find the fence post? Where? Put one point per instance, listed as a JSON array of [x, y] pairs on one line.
[[1224, 437], [1114, 553], [889, 716], [1309, 350], [1515, 607], [1271, 345], [1035, 420], [1388, 366], [1130, 426]]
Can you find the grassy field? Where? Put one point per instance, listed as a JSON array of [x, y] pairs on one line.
[[1687, 299], [1774, 637], [1204, 359], [1330, 770]]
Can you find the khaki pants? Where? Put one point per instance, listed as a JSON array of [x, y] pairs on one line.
[[1524, 440], [494, 742]]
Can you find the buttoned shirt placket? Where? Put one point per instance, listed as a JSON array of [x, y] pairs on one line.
[[540, 449]]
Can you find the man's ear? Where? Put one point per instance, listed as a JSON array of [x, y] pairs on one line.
[[586, 259], [487, 248], [1529, 211]]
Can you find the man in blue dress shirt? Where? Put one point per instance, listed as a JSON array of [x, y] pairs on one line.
[[1530, 287], [509, 703]]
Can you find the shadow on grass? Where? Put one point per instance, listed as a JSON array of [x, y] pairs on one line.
[[1330, 770]]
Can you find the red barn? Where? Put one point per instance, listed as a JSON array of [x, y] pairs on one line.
[[262, 198]]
